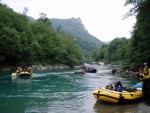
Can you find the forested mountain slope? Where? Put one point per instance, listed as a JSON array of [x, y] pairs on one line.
[[76, 28]]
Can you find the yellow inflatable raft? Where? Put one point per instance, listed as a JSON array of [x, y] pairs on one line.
[[117, 97], [24, 73]]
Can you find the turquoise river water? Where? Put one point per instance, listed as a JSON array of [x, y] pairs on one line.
[[61, 91]]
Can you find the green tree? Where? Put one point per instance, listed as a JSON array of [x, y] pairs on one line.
[[140, 50], [25, 43], [117, 51]]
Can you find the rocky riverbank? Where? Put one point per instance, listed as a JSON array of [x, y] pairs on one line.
[[38, 67], [125, 73]]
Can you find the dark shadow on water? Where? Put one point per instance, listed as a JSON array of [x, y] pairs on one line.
[[104, 107]]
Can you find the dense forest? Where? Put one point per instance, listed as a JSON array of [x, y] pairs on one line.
[[116, 52], [23, 42], [136, 50]]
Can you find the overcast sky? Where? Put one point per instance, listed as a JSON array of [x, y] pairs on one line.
[[102, 18]]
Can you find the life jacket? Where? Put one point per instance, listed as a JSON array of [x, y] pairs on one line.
[[146, 72]]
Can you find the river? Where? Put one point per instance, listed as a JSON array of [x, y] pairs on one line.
[[61, 91]]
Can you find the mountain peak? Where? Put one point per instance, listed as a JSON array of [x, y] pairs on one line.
[[75, 27], [78, 23]]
